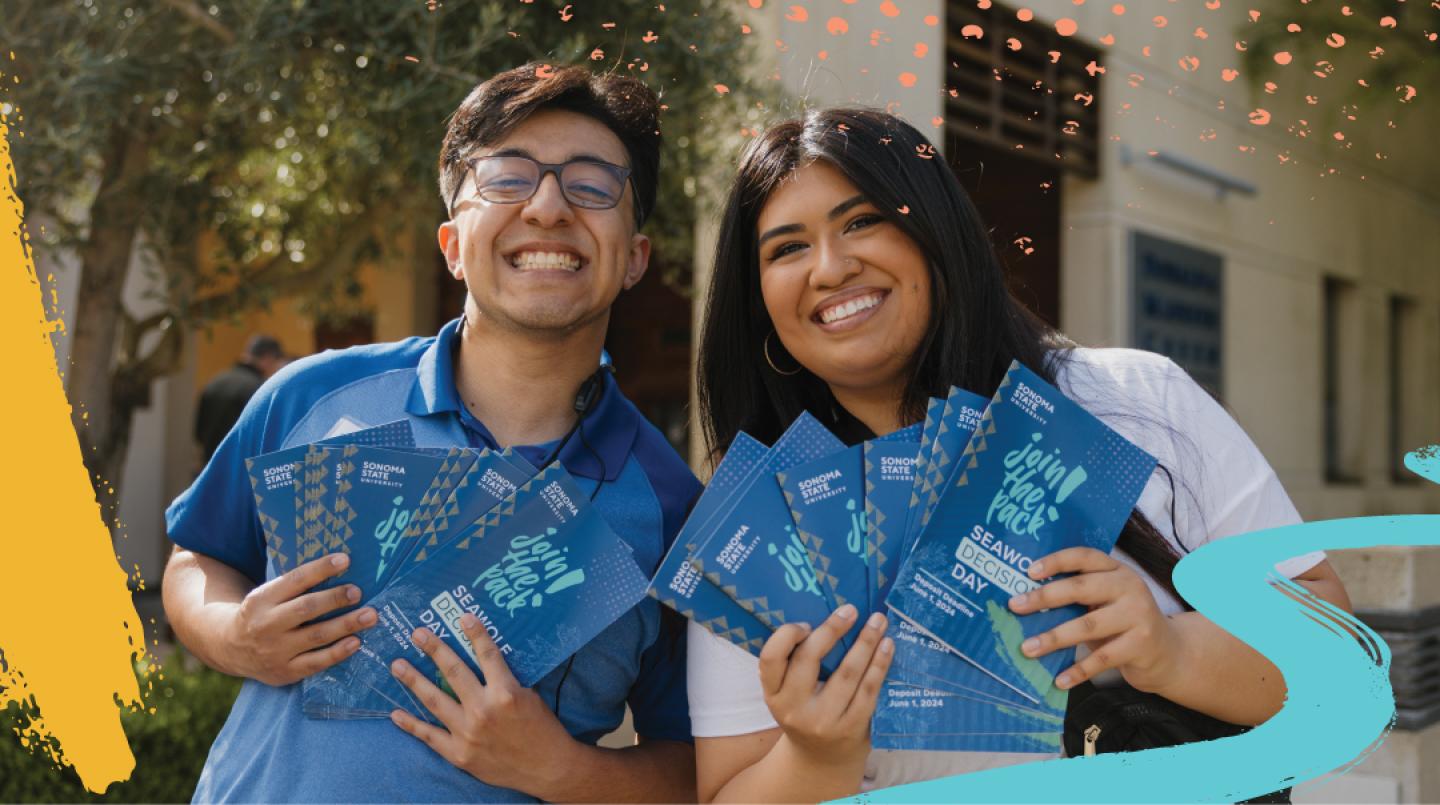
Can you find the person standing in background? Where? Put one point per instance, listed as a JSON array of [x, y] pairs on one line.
[[224, 397]]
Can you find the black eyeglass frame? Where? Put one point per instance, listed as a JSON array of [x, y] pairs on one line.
[[626, 176]]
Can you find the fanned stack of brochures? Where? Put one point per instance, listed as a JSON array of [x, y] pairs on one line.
[[433, 533], [935, 524]]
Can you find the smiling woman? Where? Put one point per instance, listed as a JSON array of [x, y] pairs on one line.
[[848, 245]]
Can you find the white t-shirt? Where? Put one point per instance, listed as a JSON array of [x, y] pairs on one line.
[[1223, 487]]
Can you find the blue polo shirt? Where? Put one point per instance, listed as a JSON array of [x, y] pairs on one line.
[[268, 750]]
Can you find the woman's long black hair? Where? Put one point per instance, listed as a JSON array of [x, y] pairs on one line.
[[977, 326]]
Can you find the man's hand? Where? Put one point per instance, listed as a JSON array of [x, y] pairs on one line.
[[498, 731], [271, 636]]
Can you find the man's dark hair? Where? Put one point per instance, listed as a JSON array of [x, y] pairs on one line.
[[495, 107]]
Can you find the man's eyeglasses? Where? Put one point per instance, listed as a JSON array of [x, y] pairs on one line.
[[586, 183]]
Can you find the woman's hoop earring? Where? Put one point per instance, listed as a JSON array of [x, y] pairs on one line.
[[766, 349]]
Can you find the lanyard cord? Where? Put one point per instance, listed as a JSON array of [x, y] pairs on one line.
[[590, 392]]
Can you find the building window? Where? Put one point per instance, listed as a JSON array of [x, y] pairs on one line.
[[1005, 88], [1407, 375], [1344, 383]]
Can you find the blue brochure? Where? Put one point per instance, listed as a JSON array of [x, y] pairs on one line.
[[1040, 474], [377, 492], [680, 586], [909, 717], [907, 434], [752, 551], [934, 408], [827, 502], [489, 479], [889, 471], [543, 572], [922, 661], [275, 481], [957, 422]]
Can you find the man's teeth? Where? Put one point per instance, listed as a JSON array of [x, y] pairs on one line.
[[845, 311], [545, 261]]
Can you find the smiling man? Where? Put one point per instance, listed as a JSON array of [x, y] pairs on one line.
[[548, 176]]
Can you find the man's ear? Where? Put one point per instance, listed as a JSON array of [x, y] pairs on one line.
[[449, 237], [639, 260]]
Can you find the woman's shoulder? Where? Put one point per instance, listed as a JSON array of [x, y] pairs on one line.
[[1118, 373]]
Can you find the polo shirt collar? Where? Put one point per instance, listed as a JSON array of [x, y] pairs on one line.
[[609, 427]]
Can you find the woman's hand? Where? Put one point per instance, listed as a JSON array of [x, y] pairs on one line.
[[831, 724], [1124, 628]]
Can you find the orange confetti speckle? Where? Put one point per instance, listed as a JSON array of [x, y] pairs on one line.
[[1092, 68], [982, 4], [1085, 98], [797, 14], [1271, 87], [1118, 10], [1293, 28], [1335, 41], [545, 71], [1012, 43], [756, 3], [1025, 15], [1212, 4], [937, 121], [745, 29], [932, 20], [649, 37], [1387, 22], [597, 54], [823, 55], [565, 15], [1254, 15], [1160, 22], [1340, 135], [972, 32], [907, 79], [837, 26], [1201, 34], [1189, 63], [1054, 56], [905, 210], [1145, 51], [607, 25], [1107, 39], [1407, 93], [722, 89], [1066, 26], [921, 49], [1345, 10], [1283, 57], [1260, 117], [1311, 99], [412, 59], [889, 9]]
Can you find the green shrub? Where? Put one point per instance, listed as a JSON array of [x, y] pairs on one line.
[[170, 745]]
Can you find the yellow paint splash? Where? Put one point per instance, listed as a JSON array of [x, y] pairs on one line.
[[68, 629]]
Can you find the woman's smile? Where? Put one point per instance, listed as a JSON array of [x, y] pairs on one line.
[[848, 310]]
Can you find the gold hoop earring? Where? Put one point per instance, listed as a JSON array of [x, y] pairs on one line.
[[765, 348]]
